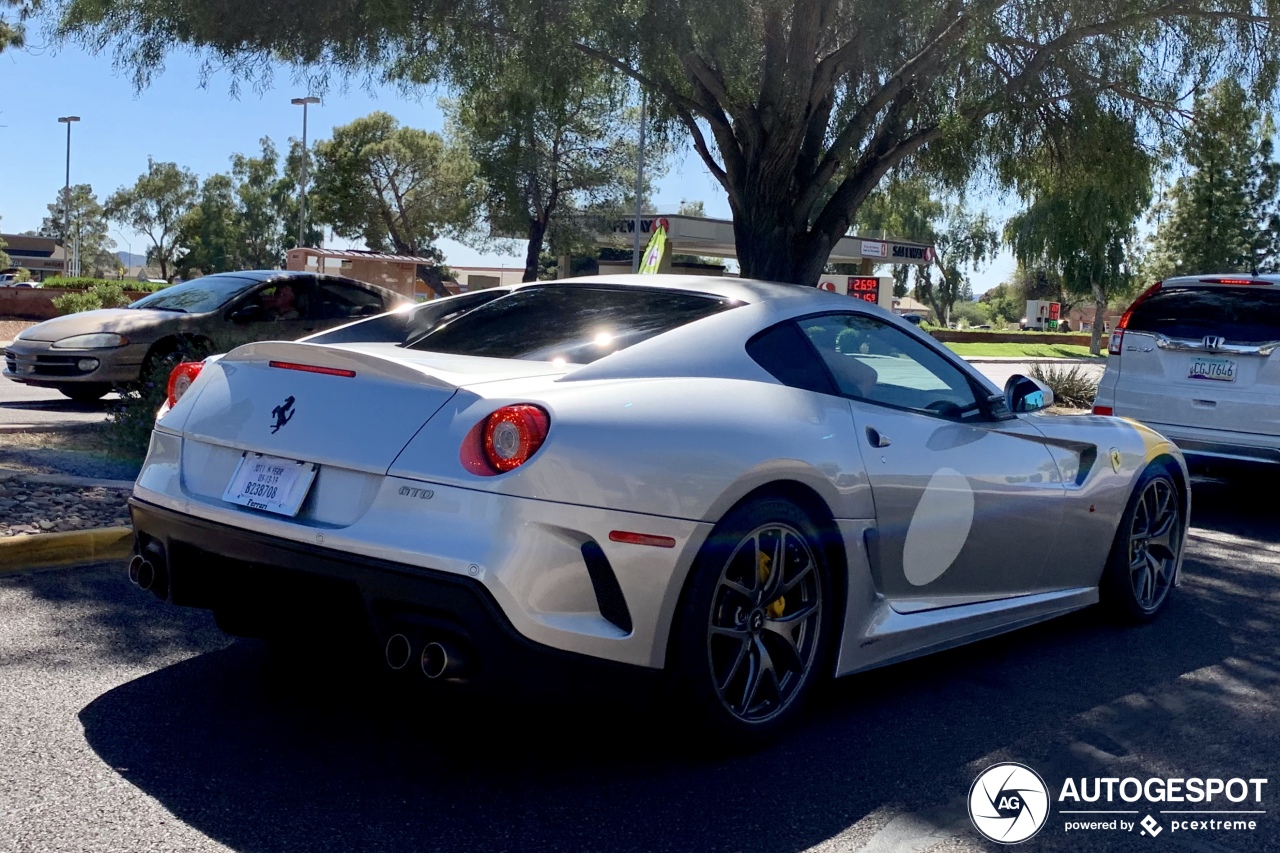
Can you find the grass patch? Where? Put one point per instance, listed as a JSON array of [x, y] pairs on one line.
[[1019, 350]]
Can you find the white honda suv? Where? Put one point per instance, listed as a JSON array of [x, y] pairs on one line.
[[1192, 358]]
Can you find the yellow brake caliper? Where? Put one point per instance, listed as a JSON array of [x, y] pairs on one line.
[[778, 606]]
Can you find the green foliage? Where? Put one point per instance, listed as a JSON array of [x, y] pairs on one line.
[[397, 188], [1083, 199], [13, 29], [1223, 216], [98, 294], [971, 313], [83, 283], [966, 239], [550, 139], [1073, 386], [130, 422], [88, 226], [797, 109], [1005, 302], [156, 206]]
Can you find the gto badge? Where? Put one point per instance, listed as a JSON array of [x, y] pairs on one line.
[[1115, 460], [420, 494], [283, 413]]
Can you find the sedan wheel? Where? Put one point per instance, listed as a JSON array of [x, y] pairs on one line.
[[1144, 559], [753, 633]]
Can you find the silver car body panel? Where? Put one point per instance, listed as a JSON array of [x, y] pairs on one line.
[[664, 438]]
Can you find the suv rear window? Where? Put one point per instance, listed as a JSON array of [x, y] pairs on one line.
[[576, 323], [1246, 315]]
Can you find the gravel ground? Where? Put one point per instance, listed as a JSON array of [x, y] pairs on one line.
[[10, 328], [30, 508]]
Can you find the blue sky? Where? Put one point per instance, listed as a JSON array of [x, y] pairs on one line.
[[199, 128]]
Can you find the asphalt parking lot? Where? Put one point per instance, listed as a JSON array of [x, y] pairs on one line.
[[129, 725]]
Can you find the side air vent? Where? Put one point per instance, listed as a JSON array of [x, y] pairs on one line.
[[613, 606]]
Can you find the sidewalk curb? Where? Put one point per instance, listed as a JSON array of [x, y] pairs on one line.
[[38, 550], [64, 480]]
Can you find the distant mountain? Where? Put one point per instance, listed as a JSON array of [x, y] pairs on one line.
[[131, 260]]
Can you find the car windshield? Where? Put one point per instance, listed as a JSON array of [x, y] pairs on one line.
[[1246, 315], [574, 323], [199, 296]]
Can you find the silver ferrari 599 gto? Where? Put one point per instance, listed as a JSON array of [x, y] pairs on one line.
[[742, 487]]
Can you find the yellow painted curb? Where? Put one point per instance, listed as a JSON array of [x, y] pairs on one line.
[[36, 550]]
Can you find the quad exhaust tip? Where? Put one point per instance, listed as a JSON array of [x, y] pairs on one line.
[[398, 651], [142, 572], [438, 661]]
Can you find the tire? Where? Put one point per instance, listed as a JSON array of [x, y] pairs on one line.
[[1140, 569], [168, 354], [85, 393], [740, 623]]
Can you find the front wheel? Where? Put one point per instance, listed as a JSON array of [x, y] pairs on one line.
[[754, 627], [86, 392], [1144, 558]]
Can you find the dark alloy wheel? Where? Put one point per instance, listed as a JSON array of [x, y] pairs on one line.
[[1144, 558], [753, 631]]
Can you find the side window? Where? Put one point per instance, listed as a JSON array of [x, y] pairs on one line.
[[783, 351], [284, 300], [346, 302], [873, 361]]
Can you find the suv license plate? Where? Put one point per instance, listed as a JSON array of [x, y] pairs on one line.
[[1220, 369], [270, 483]]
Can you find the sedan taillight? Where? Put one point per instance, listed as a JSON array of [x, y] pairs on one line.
[[505, 440], [180, 379]]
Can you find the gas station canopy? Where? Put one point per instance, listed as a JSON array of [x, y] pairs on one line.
[[694, 235]]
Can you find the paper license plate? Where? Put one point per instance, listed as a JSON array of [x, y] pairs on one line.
[[1221, 369], [270, 483]]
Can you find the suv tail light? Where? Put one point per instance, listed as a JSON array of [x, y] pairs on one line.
[[505, 440], [180, 379], [1117, 334]]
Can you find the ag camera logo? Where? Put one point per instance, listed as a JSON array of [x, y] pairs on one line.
[[1008, 803]]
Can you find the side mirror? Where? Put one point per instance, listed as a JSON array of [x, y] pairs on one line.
[[247, 314], [1024, 394]]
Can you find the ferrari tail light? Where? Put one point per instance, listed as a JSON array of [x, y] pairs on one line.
[[505, 440], [1117, 335], [180, 379], [1103, 410]]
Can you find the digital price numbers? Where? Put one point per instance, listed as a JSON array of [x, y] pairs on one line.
[[865, 287]]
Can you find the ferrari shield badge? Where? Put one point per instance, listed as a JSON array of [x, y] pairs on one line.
[[1115, 460]]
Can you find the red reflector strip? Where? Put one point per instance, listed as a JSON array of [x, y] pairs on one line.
[[642, 539], [1103, 410], [313, 368]]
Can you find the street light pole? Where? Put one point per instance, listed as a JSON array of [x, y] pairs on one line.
[[66, 203], [302, 196]]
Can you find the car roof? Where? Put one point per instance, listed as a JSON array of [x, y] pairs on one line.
[[745, 290], [1226, 278]]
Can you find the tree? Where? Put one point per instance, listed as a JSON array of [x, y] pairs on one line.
[[1006, 302], [1082, 205], [798, 109], [903, 207], [13, 30], [156, 206], [89, 230], [211, 230], [264, 204], [546, 143], [965, 240], [1223, 216], [396, 187]]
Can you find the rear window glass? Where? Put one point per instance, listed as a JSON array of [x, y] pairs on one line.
[[1247, 315], [576, 323]]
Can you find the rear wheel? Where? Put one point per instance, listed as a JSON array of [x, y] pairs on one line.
[[86, 392], [753, 630], [1144, 557]]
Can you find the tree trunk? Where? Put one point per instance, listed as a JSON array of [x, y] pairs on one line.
[[537, 229], [1099, 314], [773, 249]]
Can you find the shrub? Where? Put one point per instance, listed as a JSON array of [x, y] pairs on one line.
[[101, 294], [130, 421], [85, 283], [1073, 388]]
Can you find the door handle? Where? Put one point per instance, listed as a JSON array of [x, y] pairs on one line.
[[876, 439]]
